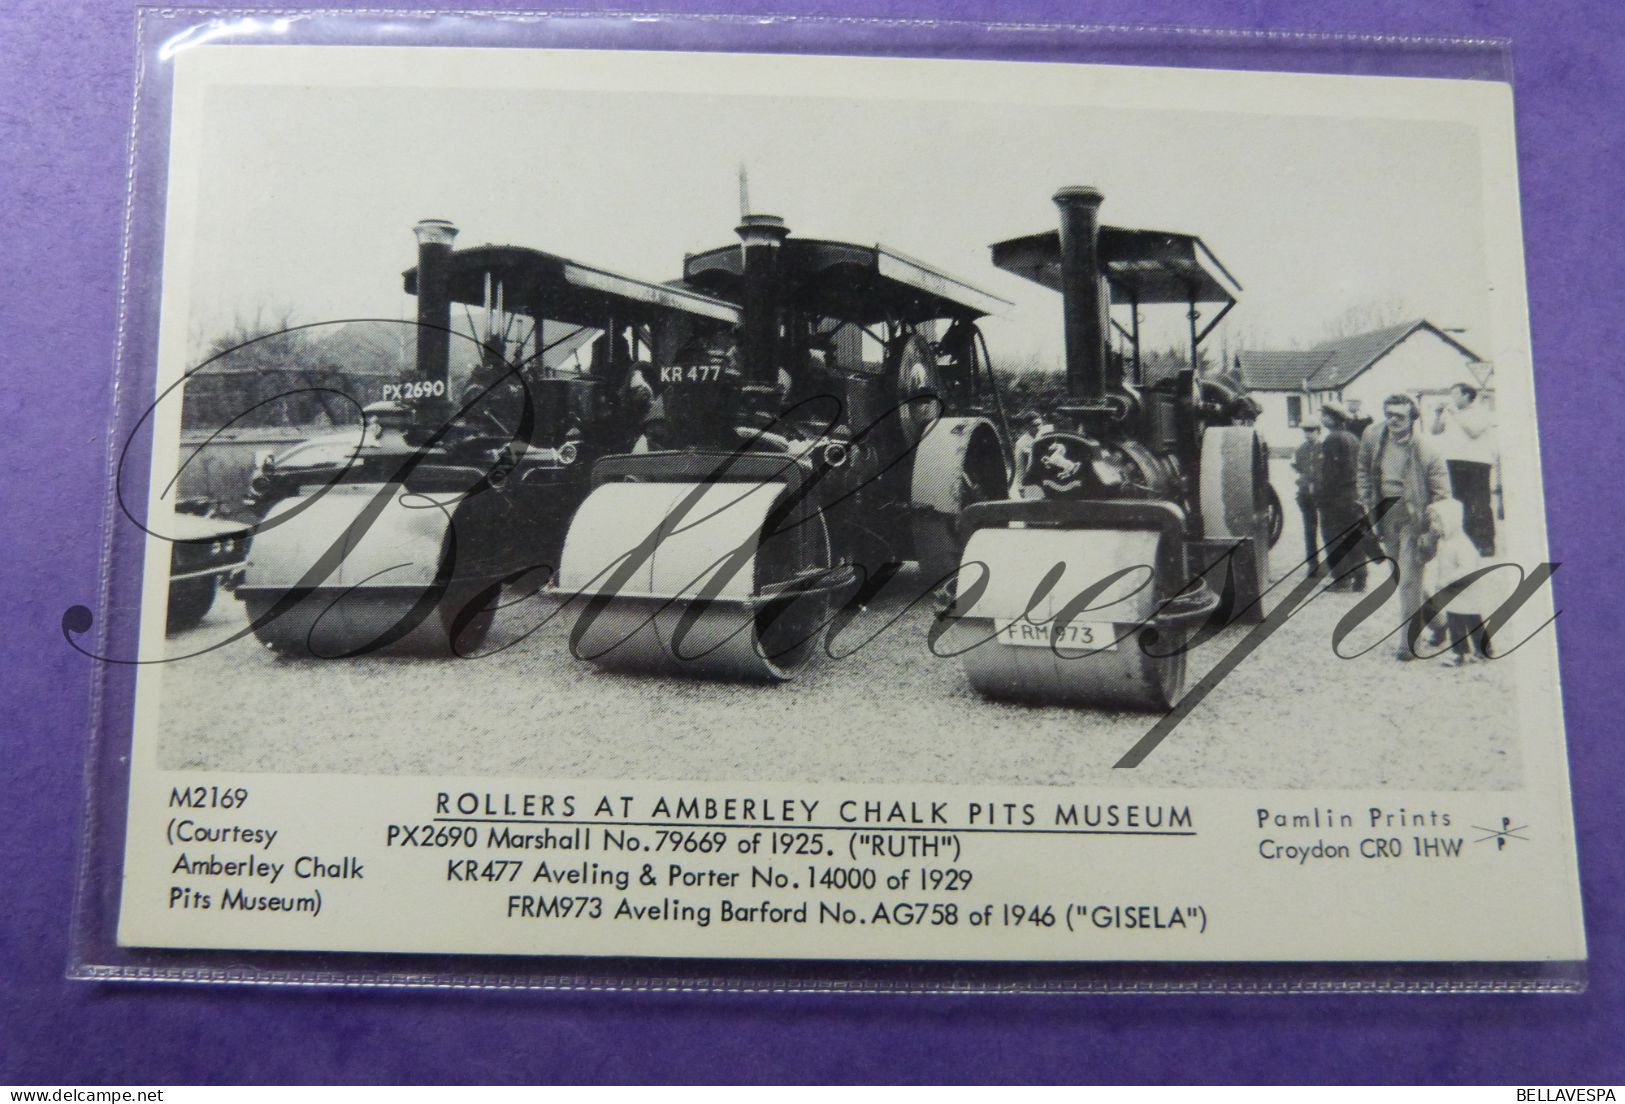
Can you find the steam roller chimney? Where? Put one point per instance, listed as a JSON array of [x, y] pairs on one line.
[[1083, 296], [434, 313], [762, 236]]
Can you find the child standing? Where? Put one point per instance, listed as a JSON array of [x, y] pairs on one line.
[[1454, 558]]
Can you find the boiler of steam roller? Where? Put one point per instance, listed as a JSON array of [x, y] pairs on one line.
[[788, 470], [1148, 507], [401, 533]]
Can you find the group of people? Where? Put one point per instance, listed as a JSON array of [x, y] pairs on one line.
[[1419, 495]]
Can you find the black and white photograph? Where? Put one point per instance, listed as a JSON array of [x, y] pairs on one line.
[[1056, 446], [1263, 289]]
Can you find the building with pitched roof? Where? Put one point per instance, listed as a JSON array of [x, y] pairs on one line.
[[1416, 358]]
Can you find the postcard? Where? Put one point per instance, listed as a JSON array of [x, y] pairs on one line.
[[730, 506]]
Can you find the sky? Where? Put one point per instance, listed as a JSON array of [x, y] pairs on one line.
[[306, 195]]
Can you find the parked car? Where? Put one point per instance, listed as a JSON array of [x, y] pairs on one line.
[[206, 553]]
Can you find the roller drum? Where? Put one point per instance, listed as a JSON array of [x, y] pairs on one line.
[[1016, 561], [679, 578], [357, 569], [335, 623]]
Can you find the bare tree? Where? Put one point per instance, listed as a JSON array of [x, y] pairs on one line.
[[1376, 314]]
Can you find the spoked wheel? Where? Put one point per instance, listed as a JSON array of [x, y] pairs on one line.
[[913, 368], [1277, 516]]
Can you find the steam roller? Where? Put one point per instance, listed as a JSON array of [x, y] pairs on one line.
[[399, 535], [833, 439], [1145, 512]]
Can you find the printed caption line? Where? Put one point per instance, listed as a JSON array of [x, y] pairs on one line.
[[941, 828]]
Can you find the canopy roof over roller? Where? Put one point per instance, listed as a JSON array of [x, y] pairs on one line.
[[1147, 266], [863, 284], [543, 285]]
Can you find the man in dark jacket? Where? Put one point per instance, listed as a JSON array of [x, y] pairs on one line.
[[1399, 478], [1307, 463], [1337, 497]]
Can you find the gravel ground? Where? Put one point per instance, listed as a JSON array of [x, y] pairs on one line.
[[1292, 715]]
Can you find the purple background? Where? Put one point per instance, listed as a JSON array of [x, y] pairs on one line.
[[67, 74]]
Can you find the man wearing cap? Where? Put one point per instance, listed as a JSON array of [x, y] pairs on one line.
[[1307, 463], [1337, 497], [1400, 477]]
